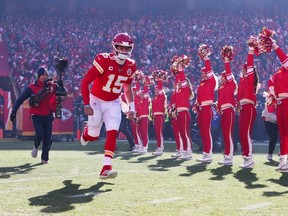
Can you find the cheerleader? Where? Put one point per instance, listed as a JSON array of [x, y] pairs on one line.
[[226, 106], [246, 98], [159, 103], [205, 99]]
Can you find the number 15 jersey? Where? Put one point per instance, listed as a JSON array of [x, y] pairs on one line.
[[108, 77]]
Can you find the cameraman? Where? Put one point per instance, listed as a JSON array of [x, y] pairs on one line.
[[42, 104]]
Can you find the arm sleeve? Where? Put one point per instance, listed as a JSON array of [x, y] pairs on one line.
[[26, 94], [89, 78]]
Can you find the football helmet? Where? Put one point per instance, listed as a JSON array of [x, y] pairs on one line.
[[122, 40]]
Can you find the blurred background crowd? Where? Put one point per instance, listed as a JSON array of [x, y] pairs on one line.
[[33, 35]]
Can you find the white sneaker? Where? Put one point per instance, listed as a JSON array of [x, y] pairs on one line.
[[177, 154], [136, 149], [228, 161], [34, 152], [186, 155], [206, 158], [282, 162], [84, 128], [143, 150], [248, 162], [284, 169], [269, 157], [158, 152]]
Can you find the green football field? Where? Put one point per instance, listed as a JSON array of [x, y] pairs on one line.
[[146, 185]]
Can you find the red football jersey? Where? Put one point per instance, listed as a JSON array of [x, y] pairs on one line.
[[108, 77]]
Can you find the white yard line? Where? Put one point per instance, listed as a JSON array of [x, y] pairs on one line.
[[256, 206], [167, 200]]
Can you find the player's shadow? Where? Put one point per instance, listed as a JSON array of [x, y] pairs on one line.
[[196, 168], [62, 200], [248, 178], [163, 165], [7, 172], [220, 172]]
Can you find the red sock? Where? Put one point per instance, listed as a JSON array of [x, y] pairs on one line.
[[110, 143], [87, 137]]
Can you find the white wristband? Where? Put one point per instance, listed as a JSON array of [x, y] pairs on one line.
[[132, 106]]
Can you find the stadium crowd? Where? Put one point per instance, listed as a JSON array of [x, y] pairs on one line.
[[32, 40]]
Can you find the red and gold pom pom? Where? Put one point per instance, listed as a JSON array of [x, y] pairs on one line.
[[227, 51], [160, 75], [183, 61], [265, 39], [138, 76], [148, 80], [254, 42], [203, 51]]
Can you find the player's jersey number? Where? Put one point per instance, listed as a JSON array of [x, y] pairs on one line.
[[117, 86]]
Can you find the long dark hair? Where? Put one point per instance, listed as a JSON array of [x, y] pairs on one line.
[[256, 80]]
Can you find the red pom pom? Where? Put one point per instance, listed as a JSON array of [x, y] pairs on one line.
[[227, 51], [265, 39], [138, 75], [183, 61], [203, 51], [160, 75]]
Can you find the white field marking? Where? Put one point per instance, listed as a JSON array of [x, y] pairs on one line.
[[257, 206], [167, 200], [84, 195]]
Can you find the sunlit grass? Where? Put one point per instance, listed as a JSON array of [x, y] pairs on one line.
[[146, 185]]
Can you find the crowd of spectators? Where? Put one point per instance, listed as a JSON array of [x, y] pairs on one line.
[[32, 40]]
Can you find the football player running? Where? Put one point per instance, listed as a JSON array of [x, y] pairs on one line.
[[109, 73]]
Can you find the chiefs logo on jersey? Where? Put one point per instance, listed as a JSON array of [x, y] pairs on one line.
[[129, 72], [66, 114]]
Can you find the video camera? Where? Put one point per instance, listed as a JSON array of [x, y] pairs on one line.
[[61, 92]]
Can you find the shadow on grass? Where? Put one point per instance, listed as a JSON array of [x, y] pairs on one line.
[[142, 159], [7, 172], [162, 165], [220, 172], [196, 168], [62, 200], [125, 155], [272, 163], [249, 178], [283, 181]]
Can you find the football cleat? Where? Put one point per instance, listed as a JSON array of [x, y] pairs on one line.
[[107, 172], [84, 128]]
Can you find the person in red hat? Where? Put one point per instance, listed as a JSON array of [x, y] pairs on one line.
[[226, 105], [246, 99], [159, 105]]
